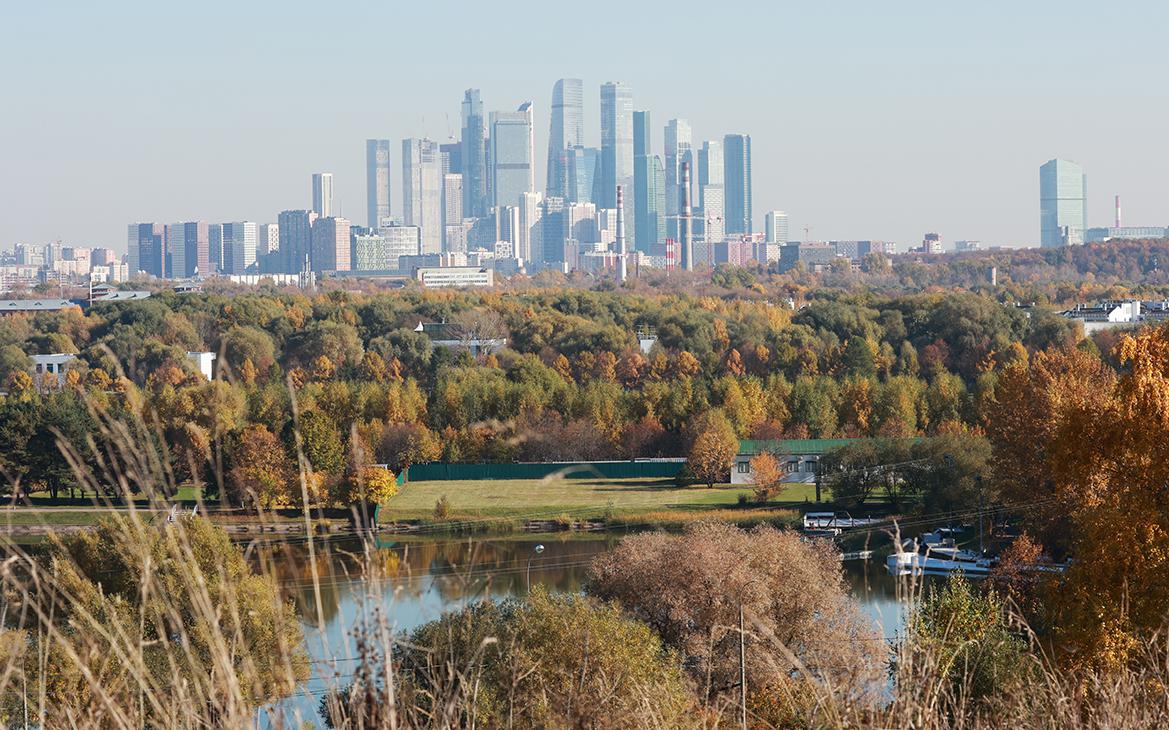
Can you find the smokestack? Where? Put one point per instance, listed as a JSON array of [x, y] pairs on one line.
[[686, 221], [1118, 211], [622, 270]]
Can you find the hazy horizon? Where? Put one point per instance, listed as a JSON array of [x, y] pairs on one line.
[[867, 121]]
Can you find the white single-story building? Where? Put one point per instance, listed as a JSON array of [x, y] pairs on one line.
[[799, 458]]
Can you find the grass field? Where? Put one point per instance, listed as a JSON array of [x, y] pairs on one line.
[[536, 498]]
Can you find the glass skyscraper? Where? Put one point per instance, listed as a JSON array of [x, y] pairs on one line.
[[567, 131], [323, 193], [377, 181], [1063, 203], [583, 175], [422, 191], [474, 157], [648, 185], [737, 182], [511, 155], [617, 149], [679, 149]]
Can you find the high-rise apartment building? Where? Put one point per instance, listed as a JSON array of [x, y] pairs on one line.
[[710, 219], [649, 223], [239, 246], [296, 239], [474, 160], [566, 132], [679, 149], [323, 194], [710, 164], [331, 246], [553, 222], [422, 191], [214, 247], [737, 179], [1063, 203], [268, 239], [452, 213], [451, 155], [775, 225], [530, 241], [512, 156], [377, 181], [617, 149], [189, 245], [146, 249], [381, 250]]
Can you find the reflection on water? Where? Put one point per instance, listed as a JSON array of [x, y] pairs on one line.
[[420, 579]]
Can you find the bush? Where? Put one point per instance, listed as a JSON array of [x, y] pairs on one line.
[[442, 509]]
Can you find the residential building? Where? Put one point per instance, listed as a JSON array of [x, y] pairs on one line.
[[799, 459], [679, 150], [649, 177], [296, 239], [454, 276], [737, 179], [710, 221], [377, 181], [323, 194], [451, 155], [331, 246], [239, 246], [474, 144], [382, 250], [268, 239], [566, 132], [453, 238], [813, 255], [511, 155], [775, 227], [214, 247], [190, 249], [617, 150], [554, 223], [146, 249], [422, 191], [530, 243], [1063, 204]]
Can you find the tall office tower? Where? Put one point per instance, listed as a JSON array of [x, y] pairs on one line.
[[775, 223], [622, 266], [685, 224], [617, 148], [452, 213], [239, 246], [584, 167], [331, 246], [737, 179], [189, 245], [679, 150], [422, 191], [323, 194], [711, 219], [553, 222], [296, 239], [649, 221], [581, 223], [146, 249], [377, 181], [214, 247], [474, 156], [566, 132], [268, 240], [451, 155], [710, 164], [530, 241], [1063, 203], [512, 156]]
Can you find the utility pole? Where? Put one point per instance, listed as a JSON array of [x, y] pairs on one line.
[[978, 484], [742, 671]]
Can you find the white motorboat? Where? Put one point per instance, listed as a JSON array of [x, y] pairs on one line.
[[936, 554]]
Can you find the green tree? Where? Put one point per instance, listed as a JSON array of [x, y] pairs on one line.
[[713, 446], [320, 439]]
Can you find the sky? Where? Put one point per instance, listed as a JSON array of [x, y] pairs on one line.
[[868, 120]]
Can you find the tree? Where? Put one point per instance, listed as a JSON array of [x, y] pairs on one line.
[[559, 661], [261, 473], [320, 440], [405, 444], [766, 475], [713, 446], [13, 360], [804, 629]]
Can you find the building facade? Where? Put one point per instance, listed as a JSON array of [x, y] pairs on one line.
[[511, 156], [1063, 204], [378, 174], [737, 181], [775, 227], [422, 191], [474, 154], [296, 237], [331, 246], [566, 131], [323, 194], [617, 149], [190, 247], [239, 246]]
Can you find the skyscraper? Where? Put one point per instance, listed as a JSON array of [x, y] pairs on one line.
[[268, 240], [567, 131], [531, 234], [422, 191], [737, 178], [214, 247], [296, 236], [452, 159], [649, 222], [1063, 203], [323, 194], [239, 246], [452, 213], [377, 181], [679, 149], [554, 224], [511, 154], [775, 224], [331, 247], [617, 148], [146, 249], [190, 246], [584, 167], [474, 161]]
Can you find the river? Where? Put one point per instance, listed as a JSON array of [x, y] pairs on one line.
[[424, 577]]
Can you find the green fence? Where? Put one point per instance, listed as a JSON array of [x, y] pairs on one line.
[[536, 470]]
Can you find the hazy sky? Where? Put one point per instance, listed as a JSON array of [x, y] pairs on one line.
[[868, 119]]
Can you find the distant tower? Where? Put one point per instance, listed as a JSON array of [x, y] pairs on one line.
[[323, 194], [686, 222], [622, 267], [1118, 211]]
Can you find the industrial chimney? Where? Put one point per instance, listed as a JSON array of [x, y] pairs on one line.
[[622, 267], [686, 221], [1118, 211]]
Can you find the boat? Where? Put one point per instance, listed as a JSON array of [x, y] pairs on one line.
[[935, 553], [830, 523]]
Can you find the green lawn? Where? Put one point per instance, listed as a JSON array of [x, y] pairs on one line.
[[536, 498]]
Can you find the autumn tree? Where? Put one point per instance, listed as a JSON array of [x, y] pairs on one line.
[[713, 446], [261, 472], [766, 475]]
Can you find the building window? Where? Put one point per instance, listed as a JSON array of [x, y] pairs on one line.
[[744, 467], [791, 467]]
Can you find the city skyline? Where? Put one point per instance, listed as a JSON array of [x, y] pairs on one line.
[[848, 143]]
